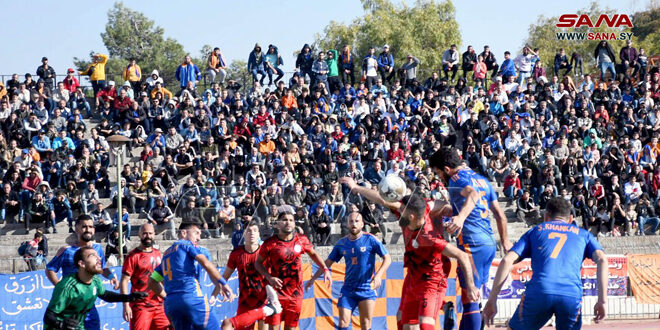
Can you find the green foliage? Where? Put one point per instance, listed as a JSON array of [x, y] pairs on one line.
[[425, 30], [130, 34], [237, 70], [543, 35], [647, 30]]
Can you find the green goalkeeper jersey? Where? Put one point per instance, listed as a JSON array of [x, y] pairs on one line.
[[73, 298]]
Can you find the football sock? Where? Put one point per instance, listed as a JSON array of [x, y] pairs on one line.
[[471, 319], [399, 325], [250, 317]]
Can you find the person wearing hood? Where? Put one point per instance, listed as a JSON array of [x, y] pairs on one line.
[[272, 62], [304, 62], [153, 79], [593, 138], [96, 72], [333, 71], [188, 72], [256, 64], [216, 66], [132, 75], [606, 59]]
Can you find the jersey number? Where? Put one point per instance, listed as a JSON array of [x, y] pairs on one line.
[[560, 244], [484, 204], [167, 269]]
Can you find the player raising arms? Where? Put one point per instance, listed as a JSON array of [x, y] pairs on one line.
[[185, 304], [75, 294], [280, 262], [359, 250], [64, 260], [557, 248], [426, 257], [253, 288], [138, 266], [471, 197]]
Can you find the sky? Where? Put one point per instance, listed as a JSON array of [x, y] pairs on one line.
[[65, 29]]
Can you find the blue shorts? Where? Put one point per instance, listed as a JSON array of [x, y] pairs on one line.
[[92, 320], [481, 257], [535, 310], [351, 299], [189, 311]]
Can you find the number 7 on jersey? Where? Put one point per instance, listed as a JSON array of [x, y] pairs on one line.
[[560, 243]]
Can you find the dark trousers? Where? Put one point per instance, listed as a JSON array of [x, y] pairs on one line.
[[345, 77], [385, 75], [446, 69], [568, 68], [492, 67], [335, 84]]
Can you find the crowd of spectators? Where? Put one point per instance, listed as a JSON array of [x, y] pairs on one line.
[[220, 158]]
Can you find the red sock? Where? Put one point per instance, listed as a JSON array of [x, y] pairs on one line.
[[399, 325], [426, 326], [248, 318]]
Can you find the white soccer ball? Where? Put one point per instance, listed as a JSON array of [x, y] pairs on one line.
[[392, 188]]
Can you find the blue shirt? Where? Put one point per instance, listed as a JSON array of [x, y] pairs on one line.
[[360, 258], [476, 229], [64, 260], [557, 250], [178, 268]]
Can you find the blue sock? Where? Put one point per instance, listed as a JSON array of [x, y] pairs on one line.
[[471, 319], [342, 328]]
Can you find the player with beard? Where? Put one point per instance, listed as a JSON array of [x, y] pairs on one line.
[[426, 257], [63, 260], [472, 197], [75, 294], [138, 266], [359, 250], [256, 299], [186, 306], [280, 262]]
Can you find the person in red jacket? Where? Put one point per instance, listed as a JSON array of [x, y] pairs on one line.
[[29, 186], [512, 185], [122, 103], [107, 94], [71, 82], [262, 117]]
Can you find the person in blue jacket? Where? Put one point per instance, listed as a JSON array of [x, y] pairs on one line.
[[256, 64], [304, 62], [507, 69], [272, 62], [386, 64], [188, 71]]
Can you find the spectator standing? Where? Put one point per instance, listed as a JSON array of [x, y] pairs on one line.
[[370, 68], [96, 72], [410, 70], [47, 73], [347, 66], [508, 68], [133, 74], [605, 59], [187, 72], [561, 62]]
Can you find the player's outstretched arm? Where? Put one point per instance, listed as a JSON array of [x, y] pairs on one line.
[[602, 274], [215, 276], [107, 273], [502, 223], [368, 193], [216, 290], [463, 262], [52, 276], [114, 297], [327, 277], [502, 273], [328, 265]]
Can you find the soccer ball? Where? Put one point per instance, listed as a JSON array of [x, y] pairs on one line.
[[392, 188]]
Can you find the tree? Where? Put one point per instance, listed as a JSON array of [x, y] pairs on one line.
[[543, 35], [424, 30], [130, 34], [237, 71], [647, 29]]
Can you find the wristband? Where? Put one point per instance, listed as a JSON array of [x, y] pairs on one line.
[[326, 270], [222, 281]]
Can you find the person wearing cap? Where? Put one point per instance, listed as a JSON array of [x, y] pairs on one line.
[[132, 74], [386, 64], [71, 82], [370, 68], [47, 73], [96, 72], [41, 142], [508, 67], [106, 94]]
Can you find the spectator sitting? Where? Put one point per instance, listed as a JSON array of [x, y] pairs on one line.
[[527, 211]]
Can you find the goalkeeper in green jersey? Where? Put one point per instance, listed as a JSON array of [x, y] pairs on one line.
[[75, 294]]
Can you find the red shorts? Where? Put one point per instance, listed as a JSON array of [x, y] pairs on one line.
[[149, 318], [242, 309], [291, 309], [425, 298]]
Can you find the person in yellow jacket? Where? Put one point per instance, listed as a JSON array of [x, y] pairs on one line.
[[96, 72], [167, 95], [133, 74]]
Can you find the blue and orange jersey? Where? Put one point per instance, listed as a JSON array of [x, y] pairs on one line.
[[476, 229], [178, 268], [557, 250], [360, 257]]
